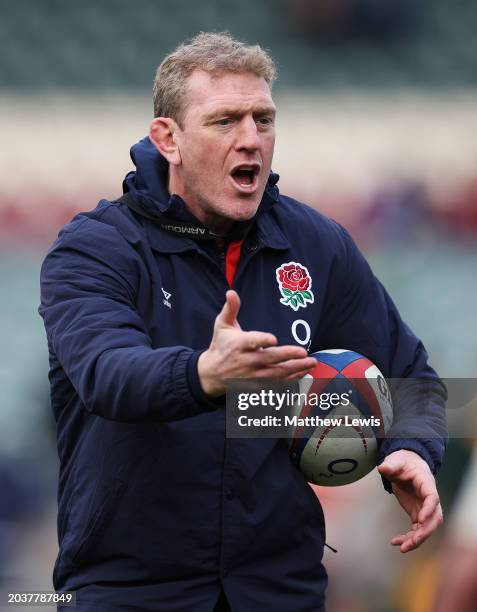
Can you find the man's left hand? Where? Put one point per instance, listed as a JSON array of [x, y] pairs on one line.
[[415, 488]]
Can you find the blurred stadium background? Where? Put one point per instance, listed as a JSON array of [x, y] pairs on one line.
[[377, 127]]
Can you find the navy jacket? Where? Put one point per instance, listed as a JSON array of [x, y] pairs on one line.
[[157, 509]]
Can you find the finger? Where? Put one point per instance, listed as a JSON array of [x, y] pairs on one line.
[[391, 466], [429, 506], [434, 521], [251, 341], [420, 534], [299, 375], [277, 354], [408, 544], [408, 541], [284, 369], [229, 312], [412, 541], [399, 539]]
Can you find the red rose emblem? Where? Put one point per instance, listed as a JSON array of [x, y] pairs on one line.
[[294, 282], [292, 276]]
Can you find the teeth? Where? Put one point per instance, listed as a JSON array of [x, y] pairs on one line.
[[249, 168]]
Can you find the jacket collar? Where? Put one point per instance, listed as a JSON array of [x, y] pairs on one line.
[[269, 232]]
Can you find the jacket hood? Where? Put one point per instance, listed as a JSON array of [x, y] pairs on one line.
[[148, 183]]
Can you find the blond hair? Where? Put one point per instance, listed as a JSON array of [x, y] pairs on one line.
[[213, 53]]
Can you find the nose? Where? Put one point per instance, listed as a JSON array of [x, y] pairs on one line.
[[248, 137]]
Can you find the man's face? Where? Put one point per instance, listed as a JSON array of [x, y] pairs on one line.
[[226, 146]]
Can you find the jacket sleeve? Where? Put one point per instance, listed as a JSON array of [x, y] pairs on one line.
[[360, 315], [89, 281]]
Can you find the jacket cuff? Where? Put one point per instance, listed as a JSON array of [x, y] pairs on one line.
[[195, 388], [390, 445]]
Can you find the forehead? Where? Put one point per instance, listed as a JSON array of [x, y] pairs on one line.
[[208, 92]]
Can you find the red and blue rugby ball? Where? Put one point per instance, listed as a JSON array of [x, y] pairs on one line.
[[345, 407]]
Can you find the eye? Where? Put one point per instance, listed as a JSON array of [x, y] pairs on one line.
[[265, 120], [224, 121]]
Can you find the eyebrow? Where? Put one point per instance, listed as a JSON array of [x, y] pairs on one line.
[[234, 112]]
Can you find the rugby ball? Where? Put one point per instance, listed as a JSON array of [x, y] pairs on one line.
[[344, 407]]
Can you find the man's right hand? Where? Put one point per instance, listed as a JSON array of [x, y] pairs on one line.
[[234, 353]]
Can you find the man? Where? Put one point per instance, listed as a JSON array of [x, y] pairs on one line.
[[157, 509]]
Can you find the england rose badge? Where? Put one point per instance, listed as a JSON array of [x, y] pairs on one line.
[[294, 282]]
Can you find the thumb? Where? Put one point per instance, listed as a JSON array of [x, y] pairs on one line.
[[391, 466], [229, 312]]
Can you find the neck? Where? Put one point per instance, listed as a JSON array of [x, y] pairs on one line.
[[216, 224]]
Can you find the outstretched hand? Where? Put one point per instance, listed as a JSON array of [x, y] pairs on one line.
[[415, 488], [234, 353]]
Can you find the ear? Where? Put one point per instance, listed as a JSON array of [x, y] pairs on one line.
[[162, 132]]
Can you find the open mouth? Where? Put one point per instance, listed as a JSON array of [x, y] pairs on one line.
[[245, 177]]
